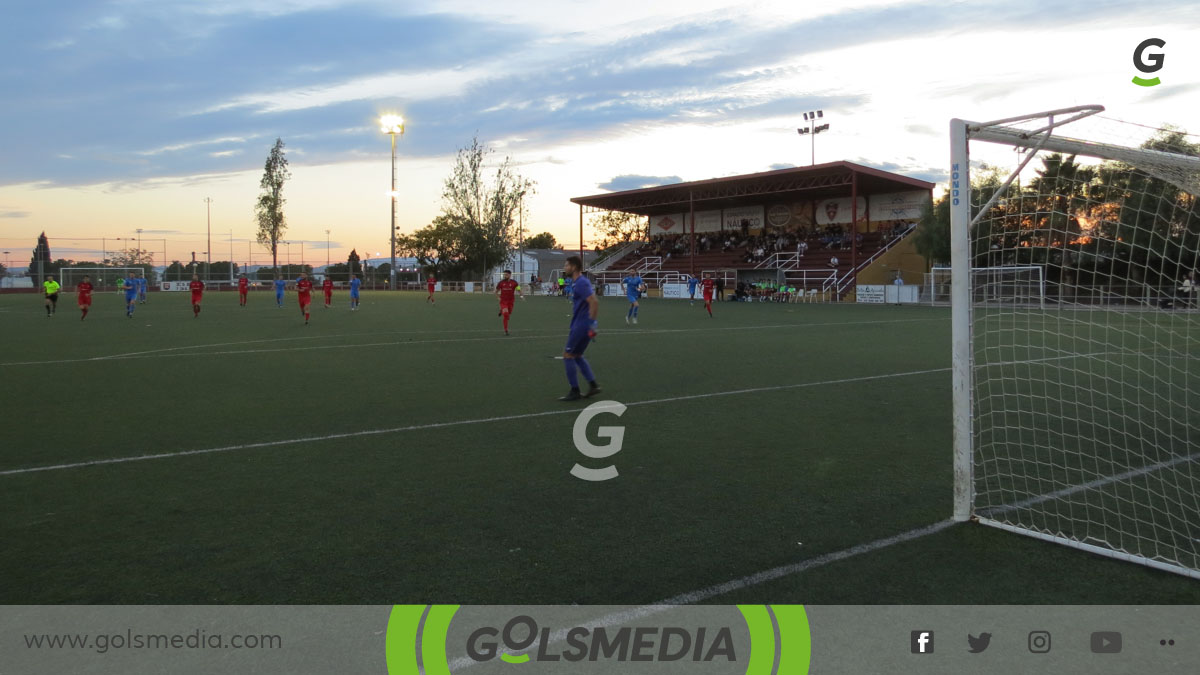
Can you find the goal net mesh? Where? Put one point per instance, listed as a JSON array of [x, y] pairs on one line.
[[1085, 392]]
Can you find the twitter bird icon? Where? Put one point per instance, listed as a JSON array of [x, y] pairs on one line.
[[978, 644]]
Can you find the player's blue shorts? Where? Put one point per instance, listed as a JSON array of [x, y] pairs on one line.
[[577, 340], [632, 297], [130, 297], [354, 294]]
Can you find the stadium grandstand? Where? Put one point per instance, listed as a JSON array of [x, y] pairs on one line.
[[789, 227]]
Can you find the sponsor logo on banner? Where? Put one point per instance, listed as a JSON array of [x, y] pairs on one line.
[[870, 294], [753, 215], [837, 211], [898, 205], [779, 215], [678, 291], [708, 221], [665, 224]]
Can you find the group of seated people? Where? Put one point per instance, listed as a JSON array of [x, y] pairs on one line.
[[894, 229], [758, 247], [767, 291]]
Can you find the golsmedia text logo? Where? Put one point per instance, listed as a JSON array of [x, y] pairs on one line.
[[741, 639], [1148, 62], [626, 643]]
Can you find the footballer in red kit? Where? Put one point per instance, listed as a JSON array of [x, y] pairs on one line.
[[507, 290], [243, 290], [708, 285], [431, 283], [84, 289], [327, 286], [304, 288], [197, 289]]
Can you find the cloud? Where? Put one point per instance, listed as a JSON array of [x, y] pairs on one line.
[[777, 167], [633, 182], [412, 86], [15, 214], [932, 174], [922, 129], [173, 76]]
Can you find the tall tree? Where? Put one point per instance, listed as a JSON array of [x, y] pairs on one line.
[[269, 209], [40, 265], [352, 263], [484, 210], [543, 240], [132, 257], [618, 227], [932, 238]]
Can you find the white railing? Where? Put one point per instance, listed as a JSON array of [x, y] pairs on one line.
[[810, 278], [616, 254], [782, 261], [848, 279], [649, 264]]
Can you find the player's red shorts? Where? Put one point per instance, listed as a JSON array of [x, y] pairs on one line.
[[243, 291], [85, 301], [196, 298], [305, 299], [708, 297], [506, 307]]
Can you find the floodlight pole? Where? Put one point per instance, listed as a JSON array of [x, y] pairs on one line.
[[392, 125], [392, 226]]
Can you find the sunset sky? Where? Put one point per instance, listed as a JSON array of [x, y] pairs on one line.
[[127, 114]]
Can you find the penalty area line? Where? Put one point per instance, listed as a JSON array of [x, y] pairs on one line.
[[693, 597]]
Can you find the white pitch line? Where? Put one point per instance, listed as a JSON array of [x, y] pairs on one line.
[[556, 335], [441, 425], [697, 596], [693, 597]]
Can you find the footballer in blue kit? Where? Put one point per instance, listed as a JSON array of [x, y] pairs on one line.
[[280, 286], [354, 284], [142, 286], [130, 287], [634, 287], [582, 331], [693, 282]]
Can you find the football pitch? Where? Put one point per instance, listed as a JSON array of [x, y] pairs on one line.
[[413, 453]]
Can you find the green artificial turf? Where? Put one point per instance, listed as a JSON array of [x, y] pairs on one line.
[[765, 436]]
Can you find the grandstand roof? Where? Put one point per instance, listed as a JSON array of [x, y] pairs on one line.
[[809, 182]]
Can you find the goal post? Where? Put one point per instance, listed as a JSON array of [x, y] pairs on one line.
[[1075, 333]]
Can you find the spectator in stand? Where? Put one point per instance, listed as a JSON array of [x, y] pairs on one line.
[[802, 248], [721, 287], [833, 262]]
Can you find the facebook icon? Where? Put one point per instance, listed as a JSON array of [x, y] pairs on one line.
[[921, 642]]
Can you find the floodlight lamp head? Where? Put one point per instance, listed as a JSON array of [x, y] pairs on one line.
[[391, 124]]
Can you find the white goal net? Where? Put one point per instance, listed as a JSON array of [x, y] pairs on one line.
[[1076, 335]]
